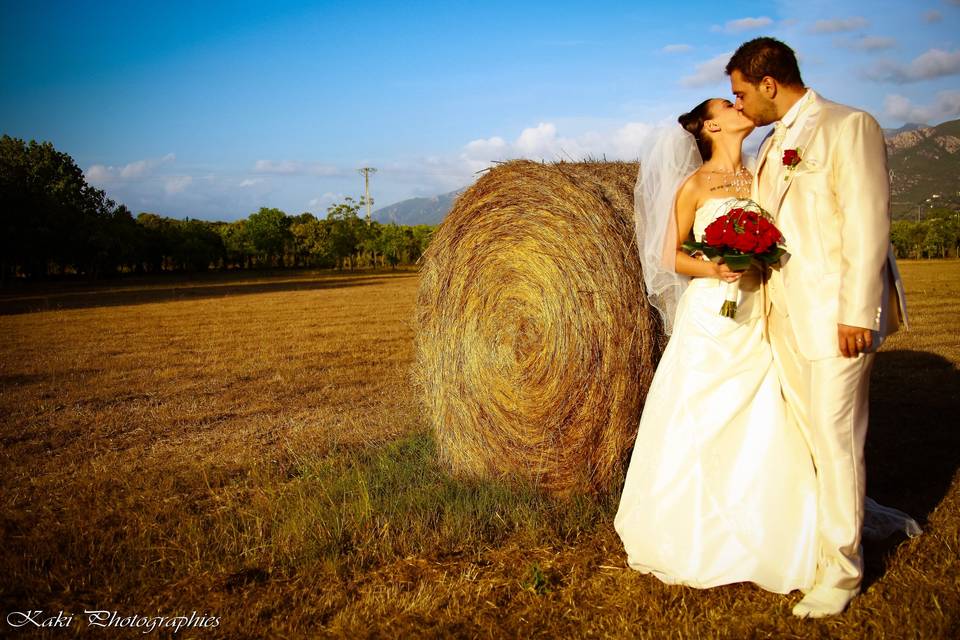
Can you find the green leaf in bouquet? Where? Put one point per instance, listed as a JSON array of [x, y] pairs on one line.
[[738, 261], [772, 257]]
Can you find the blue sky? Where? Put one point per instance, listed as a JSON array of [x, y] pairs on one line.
[[214, 109]]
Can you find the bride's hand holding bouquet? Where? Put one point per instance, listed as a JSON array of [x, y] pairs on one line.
[[741, 237]]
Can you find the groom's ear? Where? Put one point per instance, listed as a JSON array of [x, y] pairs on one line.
[[768, 87]]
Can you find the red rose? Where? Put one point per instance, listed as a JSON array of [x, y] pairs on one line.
[[769, 236], [713, 234], [791, 158], [729, 234], [745, 242]]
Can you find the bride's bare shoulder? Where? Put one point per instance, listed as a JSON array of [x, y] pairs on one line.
[[692, 189]]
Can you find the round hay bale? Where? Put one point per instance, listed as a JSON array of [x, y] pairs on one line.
[[535, 343]]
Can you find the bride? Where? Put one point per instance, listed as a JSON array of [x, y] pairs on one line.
[[721, 486]]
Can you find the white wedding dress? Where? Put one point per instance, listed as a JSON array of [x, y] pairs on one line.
[[721, 486]]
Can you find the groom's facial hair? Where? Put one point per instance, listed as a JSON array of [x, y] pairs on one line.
[[762, 112]]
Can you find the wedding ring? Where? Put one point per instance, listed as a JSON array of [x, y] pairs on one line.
[[859, 340]]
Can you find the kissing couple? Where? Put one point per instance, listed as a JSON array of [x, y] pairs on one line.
[[748, 464]]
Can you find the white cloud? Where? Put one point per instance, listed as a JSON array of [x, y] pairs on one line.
[[875, 43], [477, 153], [932, 16], [868, 43], [839, 24], [326, 200], [97, 173], [537, 141], [293, 168], [132, 170], [708, 73], [935, 63], [546, 140], [946, 105], [627, 139], [249, 182], [177, 184], [141, 168], [743, 24], [676, 48], [542, 142]]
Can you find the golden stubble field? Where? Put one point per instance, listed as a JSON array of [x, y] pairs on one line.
[[251, 449]]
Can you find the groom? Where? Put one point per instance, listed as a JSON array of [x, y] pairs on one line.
[[822, 175]]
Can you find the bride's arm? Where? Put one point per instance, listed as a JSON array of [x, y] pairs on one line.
[[686, 209]]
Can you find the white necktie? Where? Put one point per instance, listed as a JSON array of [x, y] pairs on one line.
[[779, 133]]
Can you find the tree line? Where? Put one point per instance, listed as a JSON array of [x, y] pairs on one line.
[[53, 223], [938, 236]]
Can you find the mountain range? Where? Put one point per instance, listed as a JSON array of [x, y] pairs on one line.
[[924, 168], [416, 211], [924, 164]]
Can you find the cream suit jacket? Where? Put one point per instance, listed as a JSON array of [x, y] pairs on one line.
[[833, 210]]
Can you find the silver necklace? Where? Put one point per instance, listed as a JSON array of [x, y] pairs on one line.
[[739, 180]]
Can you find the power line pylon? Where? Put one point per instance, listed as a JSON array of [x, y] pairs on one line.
[[365, 172]]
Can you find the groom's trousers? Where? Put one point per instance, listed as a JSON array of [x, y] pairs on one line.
[[829, 399]]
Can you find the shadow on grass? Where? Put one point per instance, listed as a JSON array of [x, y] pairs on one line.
[[913, 443], [29, 299]]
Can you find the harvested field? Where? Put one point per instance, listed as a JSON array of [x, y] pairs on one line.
[[250, 449]]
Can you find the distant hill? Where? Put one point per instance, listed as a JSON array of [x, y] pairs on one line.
[[418, 210], [925, 163], [910, 126]]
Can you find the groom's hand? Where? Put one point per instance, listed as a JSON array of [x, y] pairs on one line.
[[853, 340]]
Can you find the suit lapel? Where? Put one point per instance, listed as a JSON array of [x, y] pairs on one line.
[[803, 144]]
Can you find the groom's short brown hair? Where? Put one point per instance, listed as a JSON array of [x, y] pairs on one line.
[[766, 57]]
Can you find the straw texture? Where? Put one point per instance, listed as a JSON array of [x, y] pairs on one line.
[[535, 343]]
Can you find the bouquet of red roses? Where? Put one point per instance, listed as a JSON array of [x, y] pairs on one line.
[[744, 235]]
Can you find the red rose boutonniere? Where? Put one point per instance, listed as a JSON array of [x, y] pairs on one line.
[[791, 158]]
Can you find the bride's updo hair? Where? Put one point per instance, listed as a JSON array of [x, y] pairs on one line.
[[693, 122]]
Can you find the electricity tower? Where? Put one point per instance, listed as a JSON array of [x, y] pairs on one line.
[[365, 172]]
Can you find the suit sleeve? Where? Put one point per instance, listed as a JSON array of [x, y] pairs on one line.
[[862, 186]]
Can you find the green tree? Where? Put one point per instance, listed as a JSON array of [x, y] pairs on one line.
[[159, 238], [392, 244], [370, 242], [200, 246], [941, 235], [269, 231], [237, 246], [48, 213], [344, 226], [312, 241], [907, 238], [422, 234]]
